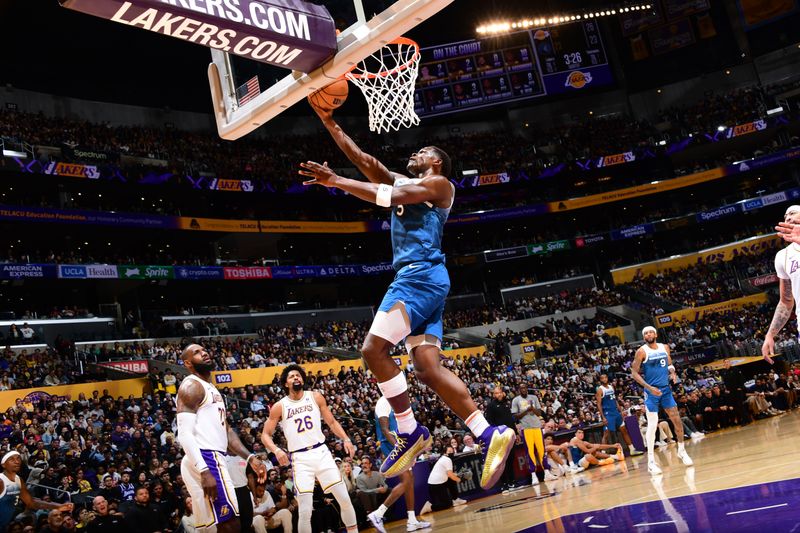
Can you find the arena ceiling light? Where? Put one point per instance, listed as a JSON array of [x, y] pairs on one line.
[[554, 19]]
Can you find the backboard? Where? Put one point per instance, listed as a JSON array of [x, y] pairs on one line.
[[365, 27]]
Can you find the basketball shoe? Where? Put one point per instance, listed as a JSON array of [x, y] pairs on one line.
[[496, 443], [406, 450]]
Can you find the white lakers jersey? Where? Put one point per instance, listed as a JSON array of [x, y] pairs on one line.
[[787, 266], [301, 422], [210, 430]]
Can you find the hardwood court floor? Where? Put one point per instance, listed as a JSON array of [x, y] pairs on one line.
[[732, 461]]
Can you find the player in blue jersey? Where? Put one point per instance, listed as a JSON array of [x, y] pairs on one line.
[[654, 361], [610, 412], [412, 308], [14, 491], [385, 429]]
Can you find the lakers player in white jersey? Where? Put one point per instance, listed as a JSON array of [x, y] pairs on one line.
[[300, 415], [205, 436], [787, 267]]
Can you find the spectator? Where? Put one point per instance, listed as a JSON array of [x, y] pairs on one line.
[[187, 520], [371, 486], [266, 516], [55, 523], [442, 485], [144, 517], [105, 520]]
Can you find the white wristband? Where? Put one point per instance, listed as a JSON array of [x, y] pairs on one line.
[[384, 196], [671, 368]]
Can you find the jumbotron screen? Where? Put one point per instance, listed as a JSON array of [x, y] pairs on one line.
[[526, 64]]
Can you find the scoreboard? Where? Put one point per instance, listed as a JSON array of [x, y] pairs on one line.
[[521, 65]]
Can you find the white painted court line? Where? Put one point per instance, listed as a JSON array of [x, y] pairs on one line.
[[597, 526], [645, 524], [757, 509]]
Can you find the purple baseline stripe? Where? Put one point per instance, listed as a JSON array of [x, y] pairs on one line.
[[224, 508], [761, 507]]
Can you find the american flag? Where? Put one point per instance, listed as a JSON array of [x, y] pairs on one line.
[[248, 91]]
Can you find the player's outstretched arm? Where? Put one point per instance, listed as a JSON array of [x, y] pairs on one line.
[[334, 424], [435, 189], [275, 414], [789, 231], [783, 311], [374, 170], [36, 503], [236, 447]]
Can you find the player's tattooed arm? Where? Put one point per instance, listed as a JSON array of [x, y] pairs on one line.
[[638, 359], [783, 311]]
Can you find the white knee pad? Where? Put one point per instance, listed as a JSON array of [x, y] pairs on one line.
[[392, 325], [339, 491]]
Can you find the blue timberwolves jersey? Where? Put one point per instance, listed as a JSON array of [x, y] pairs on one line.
[[9, 500], [655, 366], [609, 401], [417, 231]]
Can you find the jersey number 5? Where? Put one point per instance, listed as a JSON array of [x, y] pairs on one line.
[[301, 422]]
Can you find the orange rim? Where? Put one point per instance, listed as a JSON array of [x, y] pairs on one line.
[[399, 68]]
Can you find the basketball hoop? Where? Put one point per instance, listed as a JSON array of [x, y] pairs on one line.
[[387, 79]]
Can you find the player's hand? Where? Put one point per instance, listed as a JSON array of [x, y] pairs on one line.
[[282, 457], [349, 448], [209, 485], [655, 391], [66, 508], [321, 174], [788, 231], [324, 114], [603, 420], [768, 348], [259, 468]]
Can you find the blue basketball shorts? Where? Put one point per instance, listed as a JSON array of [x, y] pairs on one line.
[[614, 419], [665, 401], [422, 287]]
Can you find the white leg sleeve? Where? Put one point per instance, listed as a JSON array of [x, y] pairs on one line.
[[259, 524], [339, 492], [650, 436], [306, 501]]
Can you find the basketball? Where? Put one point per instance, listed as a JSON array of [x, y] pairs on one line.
[[331, 96]]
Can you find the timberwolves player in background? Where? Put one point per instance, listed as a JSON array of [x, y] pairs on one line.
[[412, 308], [656, 362], [610, 412], [205, 436]]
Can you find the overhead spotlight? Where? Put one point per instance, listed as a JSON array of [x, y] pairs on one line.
[[613, 11], [721, 128]]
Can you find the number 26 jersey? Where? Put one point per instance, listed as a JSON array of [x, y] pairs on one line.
[[301, 422]]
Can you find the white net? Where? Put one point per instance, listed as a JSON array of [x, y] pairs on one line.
[[387, 79]]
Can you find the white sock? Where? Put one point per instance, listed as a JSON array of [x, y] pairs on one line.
[[681, 448], [477, 423], [406, 423], [412, 517], [380, 511], [631, 448]]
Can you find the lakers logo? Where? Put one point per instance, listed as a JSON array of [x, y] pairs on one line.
[[578, 79], [224, 510]]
